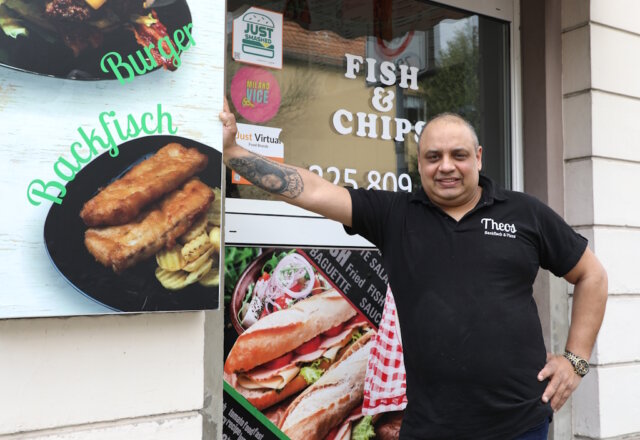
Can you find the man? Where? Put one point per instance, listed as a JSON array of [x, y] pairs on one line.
[[462, 256]]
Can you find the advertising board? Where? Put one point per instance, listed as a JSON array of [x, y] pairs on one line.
[[112, 186], [299, 322]]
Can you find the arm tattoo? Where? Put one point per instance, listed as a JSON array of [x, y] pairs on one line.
[[270, 176]]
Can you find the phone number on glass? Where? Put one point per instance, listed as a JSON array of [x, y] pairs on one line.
[[387, 181]]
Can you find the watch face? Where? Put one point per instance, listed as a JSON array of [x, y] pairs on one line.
[[582, 367]]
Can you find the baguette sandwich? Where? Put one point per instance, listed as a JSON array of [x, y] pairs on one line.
[[326, 409], [288, 350]]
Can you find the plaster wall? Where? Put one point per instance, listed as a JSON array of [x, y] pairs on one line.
[[601, 94]]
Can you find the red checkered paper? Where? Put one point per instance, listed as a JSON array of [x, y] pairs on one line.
[[385, 383]]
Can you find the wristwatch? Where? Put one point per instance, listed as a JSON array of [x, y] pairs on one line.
[[580, 366]]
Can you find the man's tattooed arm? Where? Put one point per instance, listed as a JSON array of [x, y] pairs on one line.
[[270, 176]]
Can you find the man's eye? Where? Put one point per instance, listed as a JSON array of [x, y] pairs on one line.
[[461, 156], [432, 157]]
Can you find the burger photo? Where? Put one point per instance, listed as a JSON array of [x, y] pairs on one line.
[[81, 25]]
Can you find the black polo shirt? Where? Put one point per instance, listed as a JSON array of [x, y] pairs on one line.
[[471, 334]]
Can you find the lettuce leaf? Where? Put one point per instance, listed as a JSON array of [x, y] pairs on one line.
[[311, 373], [24, 18], [12, 27], [236, 261], [363, 429], [274, 260], [356, 335], [146, 20]]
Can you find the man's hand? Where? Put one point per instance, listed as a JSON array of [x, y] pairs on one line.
[[294, 185], [589, 299], [229, 127], [563, 380]]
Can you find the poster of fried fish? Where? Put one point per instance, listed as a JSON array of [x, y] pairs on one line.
[[117, 206]]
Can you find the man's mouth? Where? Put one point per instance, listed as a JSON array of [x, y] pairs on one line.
[[448, 182]]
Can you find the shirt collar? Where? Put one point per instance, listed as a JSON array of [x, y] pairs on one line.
[[490, 192]]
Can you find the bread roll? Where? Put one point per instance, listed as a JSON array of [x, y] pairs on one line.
[[285, 330], [265, 398], [327, 402]]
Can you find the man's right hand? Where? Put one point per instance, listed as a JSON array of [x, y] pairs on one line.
[[294, 185], [229, 127]]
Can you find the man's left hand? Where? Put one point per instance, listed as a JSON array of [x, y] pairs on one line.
[[563, 380]]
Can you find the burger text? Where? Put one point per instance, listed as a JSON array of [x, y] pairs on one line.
[[125, 71]]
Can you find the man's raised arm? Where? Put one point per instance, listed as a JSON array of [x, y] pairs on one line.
[[294, 185]]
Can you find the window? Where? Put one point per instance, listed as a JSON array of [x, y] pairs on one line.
[[344, 110]]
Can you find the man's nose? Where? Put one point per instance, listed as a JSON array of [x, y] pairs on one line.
[[447, 164]]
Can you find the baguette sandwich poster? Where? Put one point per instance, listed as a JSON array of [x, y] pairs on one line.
[[299, 326], [112, 156]]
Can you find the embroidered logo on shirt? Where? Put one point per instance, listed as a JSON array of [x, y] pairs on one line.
[[492, 227]]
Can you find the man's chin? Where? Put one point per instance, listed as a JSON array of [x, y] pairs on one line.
[[445, 195]]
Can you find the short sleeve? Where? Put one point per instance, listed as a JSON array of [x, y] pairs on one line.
[[370, 214], [560, 246]]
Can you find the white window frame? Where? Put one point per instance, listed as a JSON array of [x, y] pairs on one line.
[[247, 220]]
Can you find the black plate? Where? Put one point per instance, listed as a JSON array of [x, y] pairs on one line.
[[136, 289], [34, 54]]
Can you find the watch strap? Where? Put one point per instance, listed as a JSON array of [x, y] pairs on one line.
[[580, 365]]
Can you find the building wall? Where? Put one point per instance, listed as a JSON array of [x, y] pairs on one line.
[[601, 109], [137, 377]]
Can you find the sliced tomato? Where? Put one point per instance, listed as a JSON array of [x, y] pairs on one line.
[[299, 285], [264, 313], [279, 362], [265, 276], [282, 301], [334, 331], [309, 346], [317, 286]]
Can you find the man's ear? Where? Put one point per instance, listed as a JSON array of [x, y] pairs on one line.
[[479, 157]]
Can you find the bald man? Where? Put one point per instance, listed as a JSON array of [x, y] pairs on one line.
[[462, 255]]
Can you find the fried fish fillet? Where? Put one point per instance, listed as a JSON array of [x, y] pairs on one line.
[[121, 201], [120, 247]]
